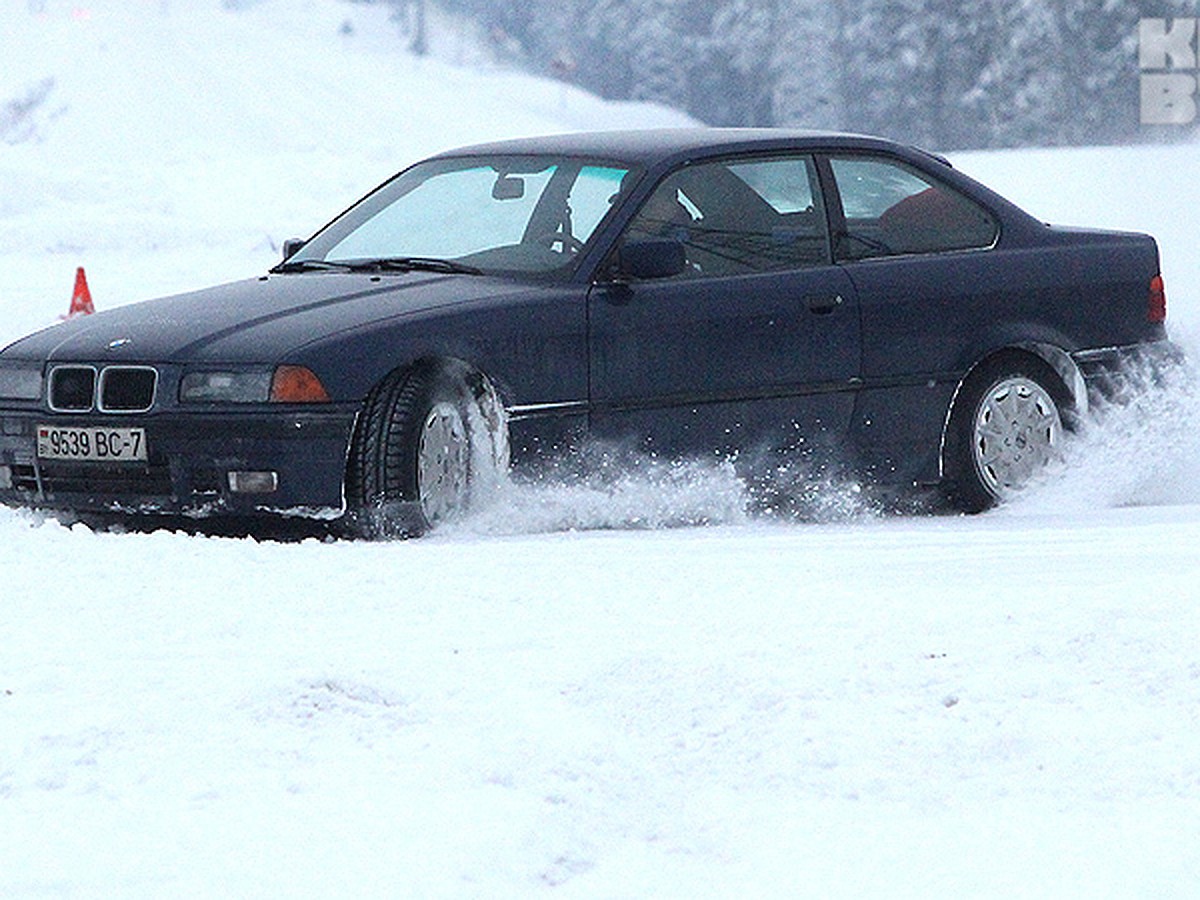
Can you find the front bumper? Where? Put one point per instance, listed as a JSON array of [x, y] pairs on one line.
[[193, 465]]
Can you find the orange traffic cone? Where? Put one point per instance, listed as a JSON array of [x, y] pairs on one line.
[[81, 299]]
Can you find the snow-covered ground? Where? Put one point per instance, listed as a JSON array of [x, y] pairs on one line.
[[558, 698]]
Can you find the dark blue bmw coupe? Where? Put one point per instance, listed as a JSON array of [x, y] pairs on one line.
[[685, 292]]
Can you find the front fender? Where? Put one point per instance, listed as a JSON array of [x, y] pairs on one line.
[[533, 347]]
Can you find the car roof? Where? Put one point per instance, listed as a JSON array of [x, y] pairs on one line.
[[649, 146]]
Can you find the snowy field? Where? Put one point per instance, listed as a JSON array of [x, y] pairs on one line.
[[559, 697]]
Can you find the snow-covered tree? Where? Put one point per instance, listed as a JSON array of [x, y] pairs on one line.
[[937, 72]]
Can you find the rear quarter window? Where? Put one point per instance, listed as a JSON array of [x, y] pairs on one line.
[[891, 209]]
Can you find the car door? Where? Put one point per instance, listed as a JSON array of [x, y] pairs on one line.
[[755, 344]]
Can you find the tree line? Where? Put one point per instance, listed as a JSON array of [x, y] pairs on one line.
[[941, 73]]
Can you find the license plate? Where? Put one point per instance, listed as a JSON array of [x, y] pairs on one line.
[[91, 444]]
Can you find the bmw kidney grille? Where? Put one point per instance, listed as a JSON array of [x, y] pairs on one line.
[[112, 389]]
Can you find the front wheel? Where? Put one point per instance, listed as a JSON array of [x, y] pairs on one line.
[[429, 442], [1006, 428]]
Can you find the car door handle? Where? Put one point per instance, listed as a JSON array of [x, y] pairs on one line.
[[823, 306]]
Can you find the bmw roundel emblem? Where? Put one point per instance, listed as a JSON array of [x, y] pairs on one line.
[[119, 343]]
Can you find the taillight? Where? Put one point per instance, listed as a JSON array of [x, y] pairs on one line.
[[1156, 310]]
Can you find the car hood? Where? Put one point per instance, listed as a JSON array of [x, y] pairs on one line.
[[258, 320]]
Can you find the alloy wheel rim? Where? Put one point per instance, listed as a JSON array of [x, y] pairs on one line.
[[442, 463], [1016, 435]]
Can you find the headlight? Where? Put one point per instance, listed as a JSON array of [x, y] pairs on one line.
[[21, 382], [285, 384], [225, 387]]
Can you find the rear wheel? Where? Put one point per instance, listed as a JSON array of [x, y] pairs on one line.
[[427, 441], [1006, 428]]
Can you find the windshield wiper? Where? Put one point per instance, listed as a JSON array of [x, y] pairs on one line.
[[411, 263], [384, 264], [309, 265]]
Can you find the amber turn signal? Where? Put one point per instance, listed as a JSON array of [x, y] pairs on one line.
[[296, 384]]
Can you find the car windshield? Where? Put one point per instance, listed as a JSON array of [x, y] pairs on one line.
[[517, 214]]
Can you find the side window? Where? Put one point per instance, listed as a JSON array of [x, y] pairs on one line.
[[891, 209], [739, 216]]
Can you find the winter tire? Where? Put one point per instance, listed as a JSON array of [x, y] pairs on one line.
[[1005, 429], [428, 442]]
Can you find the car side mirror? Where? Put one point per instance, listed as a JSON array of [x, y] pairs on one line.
[[291, 247], [657, 258]]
